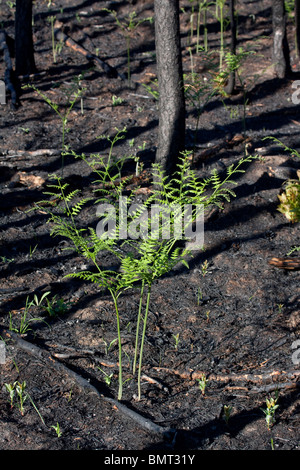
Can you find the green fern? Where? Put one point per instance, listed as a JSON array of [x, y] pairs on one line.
[[141, 261], [284, 146]]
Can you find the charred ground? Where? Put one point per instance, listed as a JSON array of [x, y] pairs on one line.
[[236, 322]]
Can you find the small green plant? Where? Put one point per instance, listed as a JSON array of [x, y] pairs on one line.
[[204, 268], [57, 429], [52, 19], [117, 100], [192, 21], [227, 410], [109, 346], [290, 198], [202, 383], [107, 377], [142, 260], [203, 7], [26, 130], [176, 339], [11, 390], [32, 250], [199, 295], [280, 307], [55, 306], [138, 164], [22, 395], [128, 26], [107, 166], [6, 260], [58, 47], [293, 249], [152, 88], [25, 320], [72, 94], [289, 6], [11, 4], [68, 395], [39, 302], [19, 389], [233, 64], [220, 5], [269, 411], [198, 92], [272, 443]]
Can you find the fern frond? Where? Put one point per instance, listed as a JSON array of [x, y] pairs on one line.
[[79, 205], [104, 279], [70, 196], [284, 146]]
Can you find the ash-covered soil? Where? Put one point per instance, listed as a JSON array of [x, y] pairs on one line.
[[236, 321]]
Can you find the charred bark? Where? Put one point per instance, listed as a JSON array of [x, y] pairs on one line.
[[281, 53], [24, 52], [231, 81], [171, 135], [9, 76], [297, 23]]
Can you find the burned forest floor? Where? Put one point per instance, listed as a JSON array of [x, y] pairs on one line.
[[222, 334]]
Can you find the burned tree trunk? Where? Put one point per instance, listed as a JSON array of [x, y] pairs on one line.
[[9, 77], [231, 82], [281, 54], [25, 64], [297, 23], [170, 81]]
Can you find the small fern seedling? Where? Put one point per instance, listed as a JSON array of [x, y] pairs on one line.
[[141, 260], [72, 94]]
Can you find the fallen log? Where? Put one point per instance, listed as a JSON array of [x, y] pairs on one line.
[[9, 72], [29, 153], [84, 384], [61, 36], [16, 155], [291, 264], [274, 377], [229, 143], [264, 381]]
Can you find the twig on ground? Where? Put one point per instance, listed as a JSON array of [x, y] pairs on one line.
[[61, 36], [275, 376], [278, 378], [84, 384], [23, 154], [291, 264]]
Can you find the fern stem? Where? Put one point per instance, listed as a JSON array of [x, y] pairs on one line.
[[65, 199], [128, 59], [138, 328], [142, 341], [120, 345]]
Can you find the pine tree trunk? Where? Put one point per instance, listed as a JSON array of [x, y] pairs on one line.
[[231, 83], [281, 54], [170, 81], [25, 63], [297, 22]]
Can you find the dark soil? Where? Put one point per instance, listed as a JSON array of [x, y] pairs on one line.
[[237, 322]]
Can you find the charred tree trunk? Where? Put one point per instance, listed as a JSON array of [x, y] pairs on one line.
[[170, 81], [9, 76], [231, 83], [25, 63], [297, 23], [281, 53]]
